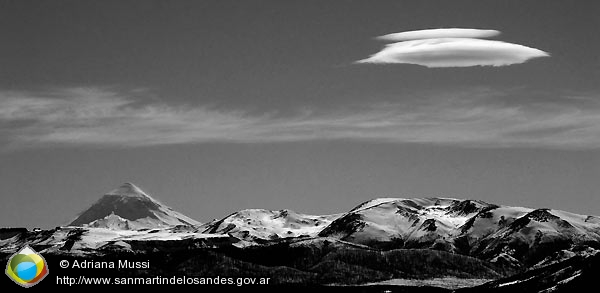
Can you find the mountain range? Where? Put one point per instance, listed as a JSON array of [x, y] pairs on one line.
[[379, 240]]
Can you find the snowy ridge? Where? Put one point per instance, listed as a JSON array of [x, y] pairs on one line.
[[263, 224], [465, 226], [112, 221], [392, 219], [373, 202]]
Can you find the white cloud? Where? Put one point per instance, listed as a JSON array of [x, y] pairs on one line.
[[447, 50], [474, 119], [439, 33]]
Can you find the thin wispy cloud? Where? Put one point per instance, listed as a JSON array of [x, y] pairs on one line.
[[451, 48], [482, 118]]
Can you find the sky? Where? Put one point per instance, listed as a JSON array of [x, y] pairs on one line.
[[314, 106]]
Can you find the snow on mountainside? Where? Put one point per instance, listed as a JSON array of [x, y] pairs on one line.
[[111, 221], [499, 233], [532, 236], [128, 207], [262, 224], [512, 237], [575, 274], [403, 220], [83, 240]]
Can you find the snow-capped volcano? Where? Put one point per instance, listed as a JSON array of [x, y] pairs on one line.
[[128, 207]]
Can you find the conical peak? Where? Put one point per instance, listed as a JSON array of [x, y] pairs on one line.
[[128, 189], [129, 202]]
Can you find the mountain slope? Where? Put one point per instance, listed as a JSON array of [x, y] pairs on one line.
[[253, 224], [418, 222], [576, 274], [515, 236], [128, 207], [535, 235]]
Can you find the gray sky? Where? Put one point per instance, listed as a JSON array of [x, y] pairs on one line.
[[217, 106]]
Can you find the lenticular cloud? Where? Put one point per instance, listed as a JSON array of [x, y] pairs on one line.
[[439, 33], [451, 48]]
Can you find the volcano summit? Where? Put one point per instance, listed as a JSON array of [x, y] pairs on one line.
[[128, 207]]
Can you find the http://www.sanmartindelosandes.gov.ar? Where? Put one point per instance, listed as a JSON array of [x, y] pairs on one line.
[[27, 267]]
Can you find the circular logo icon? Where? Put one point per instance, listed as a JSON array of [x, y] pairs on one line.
[[26, 267]]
